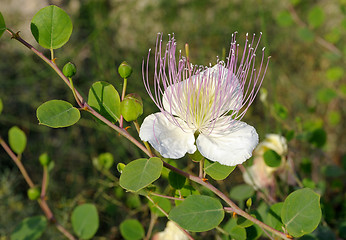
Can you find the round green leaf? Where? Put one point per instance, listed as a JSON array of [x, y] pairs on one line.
[[140, 173], [176, 180], [274, 216], [316, 16], [272, 158], [238, 233], [85, 221], [17, 139], [30, 228], [163, 203], [301, 212], [131, 229], [217, 171], [57, 114], [51, 27], [105, 100], [325, 95], [241, 192], [198, 213], [2, 25]]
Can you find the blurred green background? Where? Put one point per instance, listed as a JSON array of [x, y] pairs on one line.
[[305, 86]]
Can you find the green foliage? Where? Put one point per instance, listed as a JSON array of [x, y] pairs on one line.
[[196, 156], [184, 192], [57, 114], [176, 180], [274, 216], [316, 17], [51, 27], [244, 222], [140, 173], [272, 158], [325, 95], [198, 213], [30, 228], [131, 229], [163, 203], [2, 24], [335, 73], [305, 34], [301, 212], [216, 170], [284, 19], [85, 220], [241, 192], [318, 137], [280, 110], [17, 140], [104, 99]]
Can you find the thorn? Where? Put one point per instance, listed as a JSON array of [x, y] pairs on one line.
[[204, 179], [289, 236], [127, 128], [53, 60], [234, 215]]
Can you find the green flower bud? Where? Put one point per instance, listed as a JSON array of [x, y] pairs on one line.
[[249, 202], [33, 193], [120, 167], [44, 159], [69, 70], [131, 107], [124, 70]]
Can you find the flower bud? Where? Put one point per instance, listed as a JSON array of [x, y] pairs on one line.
[[69, 70], [44, 159], [120, 167], [131, 107], [33, 193], [124, 70]]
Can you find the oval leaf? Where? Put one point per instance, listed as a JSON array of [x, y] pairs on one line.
[[176, 180], [274, 216], [2, 25], [241, 192], [85, 221], [30, 228], [140, 173], [272, 158], [17, 140], [57, 114], [104, 99], [131, 229], [51, 27], [198, 213], [316, 17], [301, 212], [217, 171]]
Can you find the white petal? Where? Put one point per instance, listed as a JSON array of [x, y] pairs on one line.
[[232, 147], [168, 139]]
